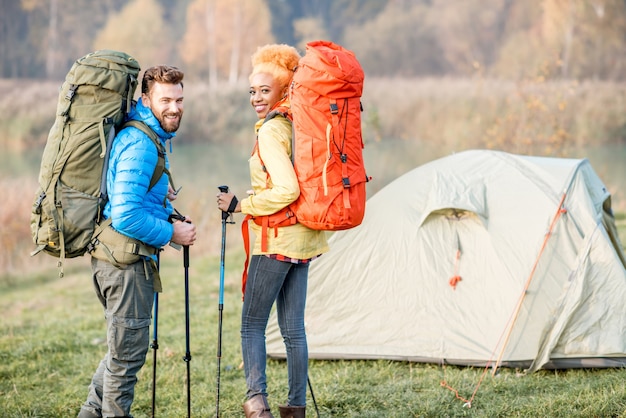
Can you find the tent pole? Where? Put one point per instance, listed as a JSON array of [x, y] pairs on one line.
[[557, 215]]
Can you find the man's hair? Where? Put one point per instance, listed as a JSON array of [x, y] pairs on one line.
[[161, 74]]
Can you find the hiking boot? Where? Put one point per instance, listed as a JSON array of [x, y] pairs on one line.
[[86, 413], [292, 411], [257, 407]]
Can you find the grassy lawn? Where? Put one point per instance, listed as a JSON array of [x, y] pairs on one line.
[[52, 337], [52, 330]]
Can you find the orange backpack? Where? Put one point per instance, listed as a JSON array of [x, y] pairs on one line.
[[325, 98], [327, 146]]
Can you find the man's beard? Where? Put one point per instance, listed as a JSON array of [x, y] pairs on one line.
[[169, 125]]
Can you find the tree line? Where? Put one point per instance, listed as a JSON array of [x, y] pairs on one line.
[[213, 39]]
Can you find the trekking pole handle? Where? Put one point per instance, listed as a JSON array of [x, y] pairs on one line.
[[186, 256], [231, 208]]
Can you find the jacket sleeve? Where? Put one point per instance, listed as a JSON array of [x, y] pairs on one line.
[[136, 211], [274, 141]]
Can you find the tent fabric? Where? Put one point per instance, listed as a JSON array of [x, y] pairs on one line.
[[532, 239]]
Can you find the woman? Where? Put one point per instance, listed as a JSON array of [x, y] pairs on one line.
[[279, 273]]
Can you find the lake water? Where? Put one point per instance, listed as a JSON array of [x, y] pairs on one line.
[[204, 167]]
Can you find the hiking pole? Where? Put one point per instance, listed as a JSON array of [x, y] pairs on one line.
[[155, 344], [177, 216], [187, 357], [220, 306], [313, 396], [155, 347]]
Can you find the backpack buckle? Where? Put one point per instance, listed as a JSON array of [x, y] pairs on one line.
[[70, 92]]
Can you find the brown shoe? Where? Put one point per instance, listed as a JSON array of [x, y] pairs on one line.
[[257, 407], [292, 411]]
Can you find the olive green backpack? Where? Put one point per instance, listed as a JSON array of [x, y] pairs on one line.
[[93, 103]]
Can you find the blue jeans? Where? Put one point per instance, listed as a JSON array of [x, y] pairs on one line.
[[271, 280]]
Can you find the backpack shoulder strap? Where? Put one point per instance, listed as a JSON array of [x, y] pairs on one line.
[[285, 112], [281, 110], [283, 217], [160, 167]]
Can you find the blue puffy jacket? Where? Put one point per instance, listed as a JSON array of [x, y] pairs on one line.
[[136, 211]]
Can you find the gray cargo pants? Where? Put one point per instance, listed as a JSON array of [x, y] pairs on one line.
[[127, 296]]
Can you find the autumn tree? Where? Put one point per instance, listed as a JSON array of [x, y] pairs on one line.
[[521, 52], [213, 39], [309, 29], [400, 41], [469, 31], [14, 40], [221, 35], [566, 39], [140, 30], [587, 35], [62, 31]]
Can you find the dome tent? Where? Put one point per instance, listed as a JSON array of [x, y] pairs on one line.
[[478, 257]]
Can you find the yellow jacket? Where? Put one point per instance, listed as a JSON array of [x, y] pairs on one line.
[[273, 194]]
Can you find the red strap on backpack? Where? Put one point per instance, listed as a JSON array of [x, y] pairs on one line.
[[345, 178], [283, 217], [245, 234]]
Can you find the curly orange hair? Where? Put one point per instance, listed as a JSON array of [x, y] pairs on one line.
[[279, 60]]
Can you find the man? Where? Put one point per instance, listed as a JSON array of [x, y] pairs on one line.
[[139, 211]]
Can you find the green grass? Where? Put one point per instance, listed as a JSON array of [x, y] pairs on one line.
[[52, 333], [52, 329]]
